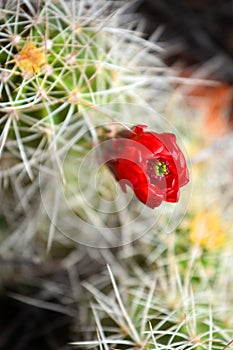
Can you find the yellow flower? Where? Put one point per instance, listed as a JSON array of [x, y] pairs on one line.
[[207, 231], [31, 59]]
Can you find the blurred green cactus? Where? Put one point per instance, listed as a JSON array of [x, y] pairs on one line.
[[58, 59]]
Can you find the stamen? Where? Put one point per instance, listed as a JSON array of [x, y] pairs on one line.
[[156, 170], [160, 169]]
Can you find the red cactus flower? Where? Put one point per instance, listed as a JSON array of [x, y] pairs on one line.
[[152, 164]]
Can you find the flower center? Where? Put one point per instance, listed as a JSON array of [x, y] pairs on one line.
[[160, 169], [156, 170]]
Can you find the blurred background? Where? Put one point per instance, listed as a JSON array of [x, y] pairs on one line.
[[193, 32], [197, 41]]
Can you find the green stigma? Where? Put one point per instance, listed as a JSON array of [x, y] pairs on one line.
[[160, 169]]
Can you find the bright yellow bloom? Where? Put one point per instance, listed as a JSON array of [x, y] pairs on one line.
[[31, 59], [207, 231]]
